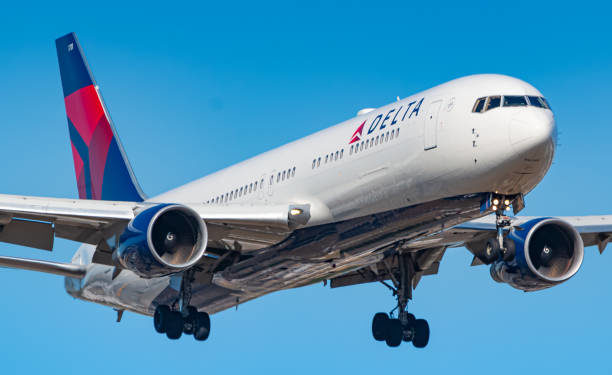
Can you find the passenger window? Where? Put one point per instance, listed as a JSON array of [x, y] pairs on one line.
[[314, 163], [293, 172], [361, 147], [341, 154], [514, 101], [337, 154], [351, 150], [255, 185], [231, 195], [376, 140], [260, 184], [387, 137], [271, 179], [397, 133], [392, 133], [318, 161], [240, 192], [494, 102], [283, 176], [479, 105], [236, 194], [326, 157], [278, 177]]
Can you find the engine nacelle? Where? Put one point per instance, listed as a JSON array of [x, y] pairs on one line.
[[162, 240], [547, 252]]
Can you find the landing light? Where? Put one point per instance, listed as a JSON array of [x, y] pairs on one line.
[[494, 207], [496, 201], [507, 202], [295, 211]]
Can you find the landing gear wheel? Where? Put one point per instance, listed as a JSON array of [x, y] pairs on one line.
[[395, 333], [492, 251], [380, 324], [160, 317], [189, 320], [174, 325], [421, 333], [201, 329]]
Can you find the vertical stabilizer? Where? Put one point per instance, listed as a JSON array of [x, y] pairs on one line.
[[102, 169]]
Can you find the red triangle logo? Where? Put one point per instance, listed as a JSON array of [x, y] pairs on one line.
[[357, 135]]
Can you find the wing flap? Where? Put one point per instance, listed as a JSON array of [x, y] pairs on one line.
[[36, 234]]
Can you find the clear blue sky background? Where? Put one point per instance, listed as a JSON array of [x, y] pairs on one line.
[[193, 88]]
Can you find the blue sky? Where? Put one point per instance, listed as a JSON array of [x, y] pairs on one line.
[[193, 88]]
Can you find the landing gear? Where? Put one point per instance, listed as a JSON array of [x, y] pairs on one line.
[[181, 317], [499, 247], [405, 327], [175, 323]]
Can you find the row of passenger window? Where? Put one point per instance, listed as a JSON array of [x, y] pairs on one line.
[[382, 138], [355, 148], [486, 103], [250, 188], [282, 175], [237, 193], [316, 163]]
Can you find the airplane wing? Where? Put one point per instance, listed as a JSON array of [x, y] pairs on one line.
[[36, 221], [428, 251]]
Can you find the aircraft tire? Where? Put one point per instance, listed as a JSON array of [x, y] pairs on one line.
[[421, 333], [174, 325], [201, 326], [395, 333], [380, 323], [159, 318]]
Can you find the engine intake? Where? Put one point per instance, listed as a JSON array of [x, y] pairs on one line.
[[162, 240], [548, 252]]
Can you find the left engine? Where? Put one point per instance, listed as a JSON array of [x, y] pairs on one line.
[[162, 240], [547, 252]]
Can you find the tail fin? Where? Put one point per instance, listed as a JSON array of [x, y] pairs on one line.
[[102, 169]]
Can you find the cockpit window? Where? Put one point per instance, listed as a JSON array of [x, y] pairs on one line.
[[479, 106], [486, 103], [515, 101], [536, 102], [494, 102]]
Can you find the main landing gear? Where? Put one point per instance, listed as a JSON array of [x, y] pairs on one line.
[[385, 327], [182, 317]]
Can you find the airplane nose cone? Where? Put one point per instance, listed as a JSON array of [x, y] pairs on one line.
[[532, 130]]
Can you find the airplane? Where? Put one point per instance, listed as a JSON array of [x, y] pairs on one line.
[[378, 198]]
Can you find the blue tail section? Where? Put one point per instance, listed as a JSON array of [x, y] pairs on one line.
[[102, 169]]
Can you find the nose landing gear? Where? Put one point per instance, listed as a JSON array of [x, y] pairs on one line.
[[385, 327]]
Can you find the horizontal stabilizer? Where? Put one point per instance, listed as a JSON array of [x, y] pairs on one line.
[[63, 269]]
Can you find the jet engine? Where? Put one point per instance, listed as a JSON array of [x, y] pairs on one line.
[[547, 252], [162, 240]]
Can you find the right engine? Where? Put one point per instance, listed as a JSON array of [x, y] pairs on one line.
[[162, 240], [547, 252]]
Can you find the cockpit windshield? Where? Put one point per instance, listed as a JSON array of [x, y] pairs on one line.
[[490, 102]]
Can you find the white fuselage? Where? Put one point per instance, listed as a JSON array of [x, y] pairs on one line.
[[434, 147], [422, 148]]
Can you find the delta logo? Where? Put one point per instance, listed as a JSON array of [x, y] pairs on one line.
[[392, 117], [357, 135]]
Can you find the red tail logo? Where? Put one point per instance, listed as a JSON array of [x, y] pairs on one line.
[[357, 135]]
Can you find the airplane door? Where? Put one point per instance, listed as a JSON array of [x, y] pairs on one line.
[[430, 133]]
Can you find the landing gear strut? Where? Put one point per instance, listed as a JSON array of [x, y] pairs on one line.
[[385, 327], [499, 247], [181, 317]]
